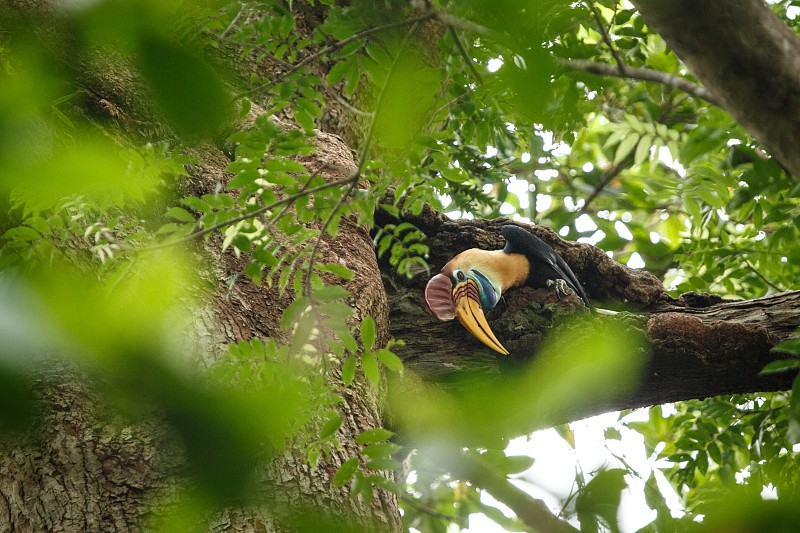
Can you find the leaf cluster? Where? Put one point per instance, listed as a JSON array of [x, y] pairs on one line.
[[93, 230]]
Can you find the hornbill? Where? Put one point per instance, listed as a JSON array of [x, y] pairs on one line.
[[474, 280]]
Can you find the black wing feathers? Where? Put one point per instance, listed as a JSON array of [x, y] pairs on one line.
[[545, 263]]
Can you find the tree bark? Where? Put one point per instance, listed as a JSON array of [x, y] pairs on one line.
[[78, 470], [700, 346], [75, 471], [747, 57]]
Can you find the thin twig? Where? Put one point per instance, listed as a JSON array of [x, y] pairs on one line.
[[465, 54], [362, 160], [625, 71], [336, 46], [350, 107], [318, 241], [419, 506], [760, 275], [606, 178], [233, 22], [453, 21], [274, 220], [644, 74], [531, 511], [607, 38], [289, 199]]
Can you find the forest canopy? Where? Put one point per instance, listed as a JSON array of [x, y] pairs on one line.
[[160, 159]]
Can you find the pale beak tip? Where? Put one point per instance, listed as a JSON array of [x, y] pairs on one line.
[[471, 316]]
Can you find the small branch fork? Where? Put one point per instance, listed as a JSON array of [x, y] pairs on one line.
[[531, 511], [607, 38], [338, 45], [621, 70], [643, 74]]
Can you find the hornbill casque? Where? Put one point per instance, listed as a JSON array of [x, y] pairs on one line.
[[473, 281]]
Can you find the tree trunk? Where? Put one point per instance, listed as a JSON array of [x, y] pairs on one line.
[[77, 472], [80, 470], [747, 57]]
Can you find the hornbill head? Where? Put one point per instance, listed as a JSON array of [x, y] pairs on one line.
[[472, 282]]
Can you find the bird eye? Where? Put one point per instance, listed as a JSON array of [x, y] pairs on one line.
[[460, 276]]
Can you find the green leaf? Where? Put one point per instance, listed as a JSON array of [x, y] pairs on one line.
[[370, 367], [169, 227], [358, 485], [345, 472], [244, 177], [331, 426], [180, 214], [780, 366], [352, 81], [192, 202], [390, 360], [794, 402], [373, 435], [348, 340], [304, 119], [368, 332], [381, 449], [626, 147], [791, 346], [338, 72], [330, 292], [22, 233], [349, 370], [383, 463], [643, 150], [284, 165], [242, 242], [293, 312], [514, 464], [701, 462], [337, 269]]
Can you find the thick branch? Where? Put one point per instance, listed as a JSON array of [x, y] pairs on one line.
[[747, 57], [700, 346]]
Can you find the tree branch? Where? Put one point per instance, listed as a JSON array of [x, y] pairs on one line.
[[349, 180], [698, 346], [607, 177], [419, 506], [464, 54], [624, 71], [533, 512], [607, 39]]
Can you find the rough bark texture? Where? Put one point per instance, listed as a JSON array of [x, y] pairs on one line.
[[80, 471], [700, 346], [247, 311], [747, 57]]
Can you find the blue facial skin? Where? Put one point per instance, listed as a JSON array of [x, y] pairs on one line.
[[489, 297]]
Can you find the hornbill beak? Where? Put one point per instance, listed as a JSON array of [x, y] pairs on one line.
[[462, 302]]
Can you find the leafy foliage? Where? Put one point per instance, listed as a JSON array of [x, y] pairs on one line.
[[492, 117]]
